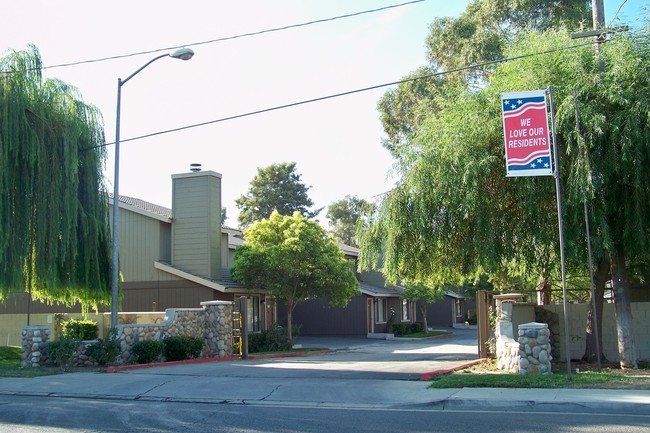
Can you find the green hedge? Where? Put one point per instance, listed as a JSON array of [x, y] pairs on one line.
[[145, 352], [407, 328], [180, 347], [273, 339], [80, 330]]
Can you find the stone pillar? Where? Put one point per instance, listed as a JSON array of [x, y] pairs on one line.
[[218, 328], [534, 349], [34, 339]]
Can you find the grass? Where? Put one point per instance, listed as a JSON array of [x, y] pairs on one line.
[[425, 334], [10, 358], [486, 375]]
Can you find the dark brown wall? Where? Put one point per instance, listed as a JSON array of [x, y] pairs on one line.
[[318, 318], [160, 295]]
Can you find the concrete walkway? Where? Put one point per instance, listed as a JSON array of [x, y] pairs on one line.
[[357, 373]]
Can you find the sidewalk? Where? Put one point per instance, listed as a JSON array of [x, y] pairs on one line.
[[350, 374]]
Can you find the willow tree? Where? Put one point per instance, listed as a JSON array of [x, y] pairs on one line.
[[456, 214], [54, 234]]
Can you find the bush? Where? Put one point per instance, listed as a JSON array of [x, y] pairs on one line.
[[80, 329], [148, 351], [180, 347], [60, 351], [271, 340], [408, 328], [104, 351]]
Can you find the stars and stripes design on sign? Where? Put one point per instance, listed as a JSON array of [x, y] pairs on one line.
[[525, 126]]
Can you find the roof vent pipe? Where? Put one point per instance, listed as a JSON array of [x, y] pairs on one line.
[[195, 167]]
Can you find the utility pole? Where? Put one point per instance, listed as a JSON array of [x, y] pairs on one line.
[[599, 33], [598, 14]]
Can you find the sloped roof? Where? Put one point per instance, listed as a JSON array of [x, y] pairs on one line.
[[226, 284], [381, 292], [143, 205]]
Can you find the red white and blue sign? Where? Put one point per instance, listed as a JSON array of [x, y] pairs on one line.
[[525, 127]]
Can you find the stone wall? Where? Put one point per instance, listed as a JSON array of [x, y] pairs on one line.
[[534, 349], [212, 323], [34, 339], [530, 353]]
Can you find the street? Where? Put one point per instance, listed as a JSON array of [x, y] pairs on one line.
[[361, 385], [56, 415]]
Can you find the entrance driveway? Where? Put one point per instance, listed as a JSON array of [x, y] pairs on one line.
[[350, 358]]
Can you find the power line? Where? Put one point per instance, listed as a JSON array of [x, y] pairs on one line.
[[350, 92], [239, 36]]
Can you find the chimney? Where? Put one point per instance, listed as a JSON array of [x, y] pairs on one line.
[[196, 226]]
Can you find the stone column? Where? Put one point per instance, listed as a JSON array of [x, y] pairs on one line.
[[33, 345], [218, 328], [534, 348]]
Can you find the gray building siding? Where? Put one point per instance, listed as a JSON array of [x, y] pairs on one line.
[[318, 318], [196, 226]]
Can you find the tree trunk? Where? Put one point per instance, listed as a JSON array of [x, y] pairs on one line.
[[423, 311], [289, 321], [624, 328], [543, 289], [600, 278]]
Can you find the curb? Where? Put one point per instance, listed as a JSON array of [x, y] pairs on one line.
[[431, 374], [118, 368]]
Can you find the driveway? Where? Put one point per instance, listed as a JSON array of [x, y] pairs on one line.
[[350, 358]]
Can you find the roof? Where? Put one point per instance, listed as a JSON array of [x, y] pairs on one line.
[[226, 284], [165, 214], [381, 292]]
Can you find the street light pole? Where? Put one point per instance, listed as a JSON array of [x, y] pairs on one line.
[[182, 54]]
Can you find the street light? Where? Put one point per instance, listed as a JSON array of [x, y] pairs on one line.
[[182, 54]]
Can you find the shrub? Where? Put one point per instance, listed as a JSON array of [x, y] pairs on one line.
[[271, 340], [401, 329], [417, 327], [60, 351], [180, 347], [80, 329], [104, 351], [147, 351]]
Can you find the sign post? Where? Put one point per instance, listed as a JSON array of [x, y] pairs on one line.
[[528, 153]]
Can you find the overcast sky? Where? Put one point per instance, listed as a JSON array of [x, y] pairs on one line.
[[336, 143]]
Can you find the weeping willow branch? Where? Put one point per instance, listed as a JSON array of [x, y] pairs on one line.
[[54, 234]]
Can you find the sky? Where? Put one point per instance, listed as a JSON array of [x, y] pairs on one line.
[[335, 143]]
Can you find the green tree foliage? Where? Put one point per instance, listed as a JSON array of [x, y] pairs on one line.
[[54, 235], [423, 296], [275, 188], [295, 260], [456, 215], [343, 216], [477, 36]]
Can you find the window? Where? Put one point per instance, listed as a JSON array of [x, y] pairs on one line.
[[253, 313], [380, 310], [406, 310], [459, 309]]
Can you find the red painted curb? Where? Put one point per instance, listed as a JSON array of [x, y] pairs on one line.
[[431, 374]]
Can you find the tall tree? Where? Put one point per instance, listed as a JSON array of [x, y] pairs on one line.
[[469, 45], [295, 260], [275, 188], [456, 214], [54, 234], [343, 216]]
